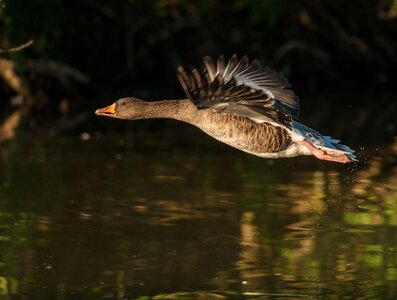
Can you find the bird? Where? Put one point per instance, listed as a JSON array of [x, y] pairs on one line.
[[241, 103]]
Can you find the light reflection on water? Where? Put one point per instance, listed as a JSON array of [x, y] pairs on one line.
[[94, 219]]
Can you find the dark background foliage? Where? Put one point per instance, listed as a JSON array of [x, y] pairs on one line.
[[87, 53]]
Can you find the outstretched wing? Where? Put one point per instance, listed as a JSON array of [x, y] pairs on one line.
[[241, 88], [256, 77]]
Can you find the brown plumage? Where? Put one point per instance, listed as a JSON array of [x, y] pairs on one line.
[[243, 133], [241, 104]]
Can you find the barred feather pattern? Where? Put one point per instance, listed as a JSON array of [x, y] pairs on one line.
[[243, 133]]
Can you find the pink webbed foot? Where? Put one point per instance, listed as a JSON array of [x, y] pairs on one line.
[[326, 154]]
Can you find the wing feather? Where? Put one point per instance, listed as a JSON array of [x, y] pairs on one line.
[[210, 67], [241, 88]]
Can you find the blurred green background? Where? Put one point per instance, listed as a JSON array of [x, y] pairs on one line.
[[340, 57]]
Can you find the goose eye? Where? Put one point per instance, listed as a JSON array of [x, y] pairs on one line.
[[123, 103]]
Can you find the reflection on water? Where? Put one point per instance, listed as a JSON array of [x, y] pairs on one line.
[[117, 219]]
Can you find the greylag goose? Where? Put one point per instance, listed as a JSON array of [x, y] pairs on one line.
[[242, 104]]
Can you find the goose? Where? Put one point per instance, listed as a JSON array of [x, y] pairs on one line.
[[242, 104]]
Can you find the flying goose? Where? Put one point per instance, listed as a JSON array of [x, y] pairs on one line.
[[242, 104]]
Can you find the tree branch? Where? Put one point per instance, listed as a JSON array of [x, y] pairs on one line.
[[19, 48], [10, 124]]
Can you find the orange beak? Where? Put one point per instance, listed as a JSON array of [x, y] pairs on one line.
[[108, 111]]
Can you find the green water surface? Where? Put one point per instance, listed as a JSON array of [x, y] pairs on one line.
[[173, 216]]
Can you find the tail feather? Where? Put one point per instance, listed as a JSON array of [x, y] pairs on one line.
[[324, 147]]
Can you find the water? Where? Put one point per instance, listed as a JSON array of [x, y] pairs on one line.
[[162, 216]]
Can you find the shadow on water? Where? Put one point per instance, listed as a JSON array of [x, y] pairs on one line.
[[118, 219]]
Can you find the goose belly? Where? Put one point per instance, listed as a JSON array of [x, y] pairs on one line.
[[292, 151]]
